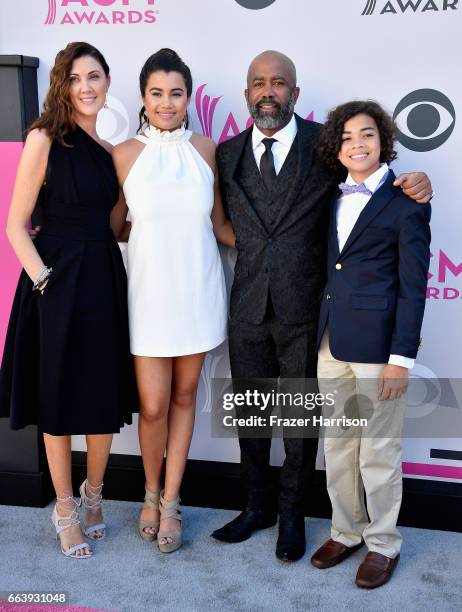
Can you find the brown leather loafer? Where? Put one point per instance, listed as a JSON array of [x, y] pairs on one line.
[[375, 570], [331, 553]]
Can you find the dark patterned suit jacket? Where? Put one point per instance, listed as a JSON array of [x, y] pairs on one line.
[[283, 251]]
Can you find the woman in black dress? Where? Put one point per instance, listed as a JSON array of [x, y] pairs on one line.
[[66, 364]]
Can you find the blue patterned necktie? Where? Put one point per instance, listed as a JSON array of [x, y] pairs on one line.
[[361, 188]]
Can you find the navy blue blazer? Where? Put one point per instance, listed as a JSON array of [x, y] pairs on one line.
[[374, 299]]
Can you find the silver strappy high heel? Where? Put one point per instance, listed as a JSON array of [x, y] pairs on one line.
[[72, 519], [92, 501]]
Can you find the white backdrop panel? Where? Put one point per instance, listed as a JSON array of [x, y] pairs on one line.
[[340, 55]]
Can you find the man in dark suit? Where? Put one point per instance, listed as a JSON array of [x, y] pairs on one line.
[[276, 193]]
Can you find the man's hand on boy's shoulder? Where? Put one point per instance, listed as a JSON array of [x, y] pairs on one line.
[[416, 185]]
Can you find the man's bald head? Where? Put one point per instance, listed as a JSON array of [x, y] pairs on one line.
[[275, 59], [272, 91]]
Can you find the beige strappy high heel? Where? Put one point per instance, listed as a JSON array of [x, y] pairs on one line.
[[151, 501], [170, 509], [92, 501]]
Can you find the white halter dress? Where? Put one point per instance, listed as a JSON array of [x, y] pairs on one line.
[[176, 287]]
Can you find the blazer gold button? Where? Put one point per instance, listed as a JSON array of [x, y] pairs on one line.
[[338, 266]]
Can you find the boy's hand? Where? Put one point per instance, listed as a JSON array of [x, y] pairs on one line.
[[416, 185], [392, 382]]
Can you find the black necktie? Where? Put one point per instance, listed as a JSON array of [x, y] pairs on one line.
[[267, 169]]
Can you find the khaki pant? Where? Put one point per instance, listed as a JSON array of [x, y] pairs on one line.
[[362, 459]]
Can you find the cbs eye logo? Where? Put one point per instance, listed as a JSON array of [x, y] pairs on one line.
[[255, 5], [425, 119]]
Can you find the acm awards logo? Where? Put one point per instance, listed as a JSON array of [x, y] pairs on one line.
[[101, 12], [396, 7], [443, 272]]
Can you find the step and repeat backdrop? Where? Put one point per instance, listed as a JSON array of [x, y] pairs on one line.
[[402, 53]]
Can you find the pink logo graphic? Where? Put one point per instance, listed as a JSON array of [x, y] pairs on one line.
[[444, 265], [205, 108], [51, 12], [97, 12]]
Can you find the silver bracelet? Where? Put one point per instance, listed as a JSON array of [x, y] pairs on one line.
[[42, 278]]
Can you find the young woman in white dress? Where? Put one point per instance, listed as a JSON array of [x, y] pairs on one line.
[[176, 288]]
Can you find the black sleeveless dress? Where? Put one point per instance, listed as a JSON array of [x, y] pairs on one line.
[[66, 364]]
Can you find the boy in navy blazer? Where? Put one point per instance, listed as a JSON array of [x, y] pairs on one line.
[[369, 334]]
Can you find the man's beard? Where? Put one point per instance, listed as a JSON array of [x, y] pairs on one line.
[[274, 120]]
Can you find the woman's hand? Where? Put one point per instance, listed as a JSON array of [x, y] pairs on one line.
[[34, 232], [222, 227], [392, 382], [119, 219]]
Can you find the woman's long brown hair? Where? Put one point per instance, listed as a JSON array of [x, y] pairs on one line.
[[57, 109]]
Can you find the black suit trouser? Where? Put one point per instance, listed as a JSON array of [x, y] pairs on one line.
[[272, 349]]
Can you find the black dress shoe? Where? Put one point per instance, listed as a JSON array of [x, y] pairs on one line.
[[291, 544], [242, 527]]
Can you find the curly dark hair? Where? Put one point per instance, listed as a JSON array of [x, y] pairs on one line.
[[330, 139], [165, 60]]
